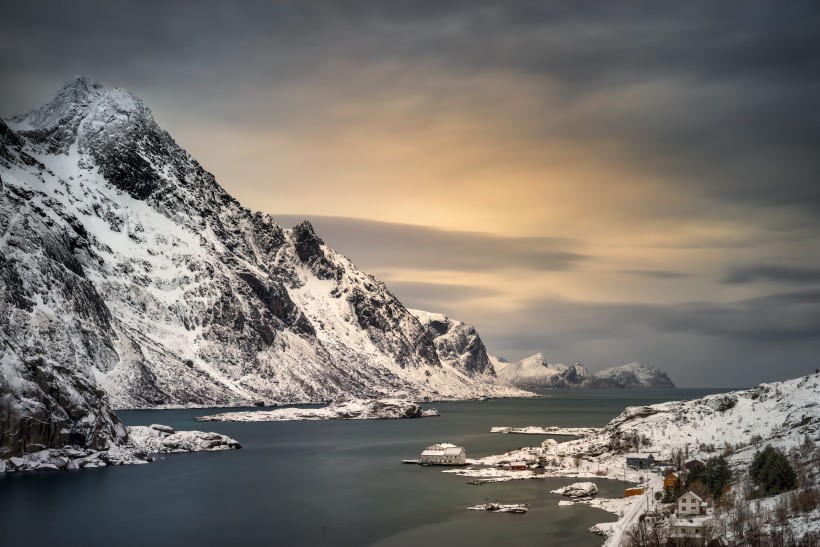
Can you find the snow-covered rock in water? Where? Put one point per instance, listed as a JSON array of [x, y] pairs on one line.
[[429, 413], [636, 375], [157, 440], [566, 503], [501, 507], [126, 267], [351, 410], [577, 490]]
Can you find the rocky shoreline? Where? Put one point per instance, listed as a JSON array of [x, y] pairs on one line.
[[144, 441]]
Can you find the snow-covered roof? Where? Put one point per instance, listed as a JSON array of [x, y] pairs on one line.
[[454, 451], [691, 521], [693, 494], [639, 456], [442, 449]]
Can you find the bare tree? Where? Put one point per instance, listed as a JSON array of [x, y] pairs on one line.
[[644, 534], [739, 518]]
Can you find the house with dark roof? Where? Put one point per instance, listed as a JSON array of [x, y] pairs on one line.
[[637, 460]]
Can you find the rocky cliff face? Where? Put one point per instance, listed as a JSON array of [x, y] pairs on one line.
[[43, 404], [125, 266], [457, 344]]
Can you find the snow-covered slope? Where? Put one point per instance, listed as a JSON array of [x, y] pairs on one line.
[[124, 264], [498, 363], [739, 423], [636, 375], [533, 371]]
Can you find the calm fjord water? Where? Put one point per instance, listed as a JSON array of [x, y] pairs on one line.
[[331, 483]]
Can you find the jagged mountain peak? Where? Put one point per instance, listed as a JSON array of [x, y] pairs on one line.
[[82, 97], [76, 93], [536, 357]]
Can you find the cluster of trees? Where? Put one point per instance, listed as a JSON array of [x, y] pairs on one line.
[[772, 472], [711, 478]]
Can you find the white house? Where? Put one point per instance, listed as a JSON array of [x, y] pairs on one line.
[[691, 504], [443, 454], [690, 530]]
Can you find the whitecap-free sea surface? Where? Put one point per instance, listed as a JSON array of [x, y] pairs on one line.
[[321, 483]]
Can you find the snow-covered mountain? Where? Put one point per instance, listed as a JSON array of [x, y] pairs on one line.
[[536, 372], [498, 363], [636, 375], [457, 344], [124, 265]]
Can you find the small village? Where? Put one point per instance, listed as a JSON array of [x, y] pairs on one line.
[[676, 503]]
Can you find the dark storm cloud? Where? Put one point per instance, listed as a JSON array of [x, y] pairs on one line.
[[777, 318], [721, 95], [386, 245], [772, 272]]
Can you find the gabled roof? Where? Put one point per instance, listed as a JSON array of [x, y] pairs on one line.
[[695, 495], [639, 456]]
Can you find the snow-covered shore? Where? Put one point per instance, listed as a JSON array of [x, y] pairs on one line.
[[736, 424], [144, 440], [552, 430], [161, 439], [378, 409]]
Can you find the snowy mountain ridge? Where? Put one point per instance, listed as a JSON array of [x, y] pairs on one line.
[[634, 375], [124, 265], [536, 372]]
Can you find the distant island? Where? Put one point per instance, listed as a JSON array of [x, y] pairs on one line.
[[535, 372]]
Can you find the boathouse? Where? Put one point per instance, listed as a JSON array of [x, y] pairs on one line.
[[443, 454]]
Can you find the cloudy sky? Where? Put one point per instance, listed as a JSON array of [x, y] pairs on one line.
[[603, 182]]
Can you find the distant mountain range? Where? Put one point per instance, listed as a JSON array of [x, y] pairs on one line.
[[535, 372]]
